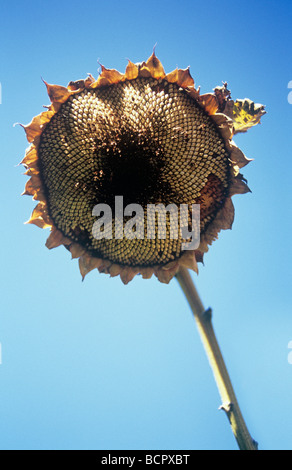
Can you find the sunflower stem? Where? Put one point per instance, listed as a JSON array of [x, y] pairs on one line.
[[204, 323]]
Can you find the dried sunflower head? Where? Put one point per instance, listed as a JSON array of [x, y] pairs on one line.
[[148, 137]]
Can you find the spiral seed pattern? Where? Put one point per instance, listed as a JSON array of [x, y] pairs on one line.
[[144, 139]]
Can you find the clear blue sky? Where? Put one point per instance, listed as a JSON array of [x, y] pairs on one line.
[[100, 365]]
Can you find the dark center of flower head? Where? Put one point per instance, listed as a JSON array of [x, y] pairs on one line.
[[144, 139]]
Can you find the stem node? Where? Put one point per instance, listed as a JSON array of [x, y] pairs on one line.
[[207, 315]]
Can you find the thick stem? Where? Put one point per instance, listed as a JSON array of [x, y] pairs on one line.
[[204, 323]]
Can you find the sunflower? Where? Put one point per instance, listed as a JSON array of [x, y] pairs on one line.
[[148, 137]]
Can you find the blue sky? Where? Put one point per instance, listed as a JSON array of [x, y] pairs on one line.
[[100, 365]]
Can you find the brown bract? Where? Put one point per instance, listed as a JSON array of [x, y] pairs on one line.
[[227, 116]]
